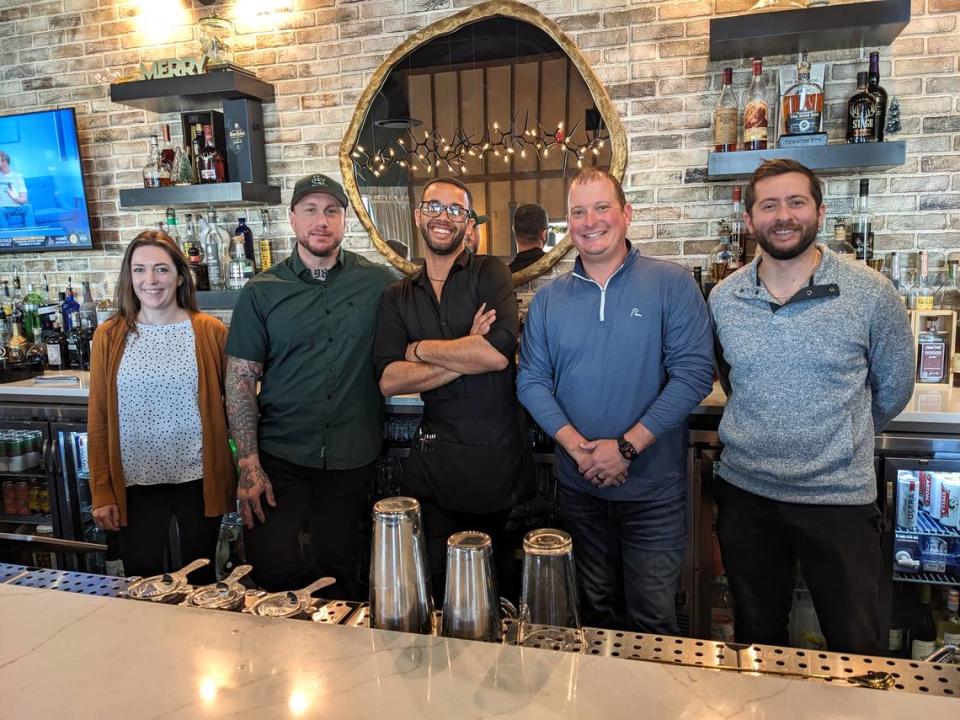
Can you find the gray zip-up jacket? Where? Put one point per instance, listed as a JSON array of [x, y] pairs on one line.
[[811, 381]]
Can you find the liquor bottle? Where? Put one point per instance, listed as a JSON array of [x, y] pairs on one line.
[[723, 259], [923, 632], [198, 268], [248, 245], [196, 145], [922, 290], [948, 629], [88, 308], [17, 346], [897, 636], [212, 167], [171, 228], [802, 106], [86, 343], [721, 611], [879, 94], [75, 343], [190, 239], [57, 354], [932, 355], [241, 267], [738, 229], [948, 294], [31, 312], [756, 110], [266, 248], [7, 302], [16, 284], [151, 171], [725, 116], [861, 113], [69, 306], [862, 230], [167, 157], [213, 239], [4, 330]]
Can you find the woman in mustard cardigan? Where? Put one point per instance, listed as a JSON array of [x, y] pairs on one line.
[[157, 428]]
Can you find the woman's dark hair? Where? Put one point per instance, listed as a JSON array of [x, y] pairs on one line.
[[128, 306]]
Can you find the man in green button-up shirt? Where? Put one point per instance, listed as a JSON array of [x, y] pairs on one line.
[[304, 330]]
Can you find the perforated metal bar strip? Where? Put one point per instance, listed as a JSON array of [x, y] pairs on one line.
[[83, 583], [8, 572]]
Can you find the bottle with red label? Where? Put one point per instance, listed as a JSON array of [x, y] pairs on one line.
[[756, 110]]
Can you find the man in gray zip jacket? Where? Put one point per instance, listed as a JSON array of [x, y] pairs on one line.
[[816, 355]]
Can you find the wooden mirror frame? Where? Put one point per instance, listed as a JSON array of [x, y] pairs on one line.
[[446, 26]]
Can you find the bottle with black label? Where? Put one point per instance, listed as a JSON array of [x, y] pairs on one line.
[[861, 235], [75, 345], [879, 94], [58, 357], [861, 113]]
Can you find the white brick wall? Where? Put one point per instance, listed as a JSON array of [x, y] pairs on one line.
[[652, 54]]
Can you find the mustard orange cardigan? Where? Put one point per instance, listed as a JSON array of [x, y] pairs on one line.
[[103, 424]]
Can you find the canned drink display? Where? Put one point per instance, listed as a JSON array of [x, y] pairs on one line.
[[9, 498], [16, 452], [4, 464], [34, 441], [946, 499], [23, 497], [34, 497], [908, 499], [44, 498], [926, 486], [83, 456]]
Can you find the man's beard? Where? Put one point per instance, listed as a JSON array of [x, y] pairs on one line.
[[332, 250], [456, 240], [807, 236]]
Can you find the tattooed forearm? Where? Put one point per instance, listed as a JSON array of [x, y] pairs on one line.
[[242, 413]]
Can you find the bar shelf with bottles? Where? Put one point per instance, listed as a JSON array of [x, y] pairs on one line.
[[793, 126]]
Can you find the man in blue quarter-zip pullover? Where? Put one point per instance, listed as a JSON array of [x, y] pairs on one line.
[[817, 356], [614, 356]]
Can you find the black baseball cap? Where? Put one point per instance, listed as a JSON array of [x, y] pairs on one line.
[[479, 219], [318, 183]]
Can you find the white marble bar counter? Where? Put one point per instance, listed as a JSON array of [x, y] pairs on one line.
[[64, 655]]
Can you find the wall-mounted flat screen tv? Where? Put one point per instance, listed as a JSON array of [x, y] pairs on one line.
[[43, 201]]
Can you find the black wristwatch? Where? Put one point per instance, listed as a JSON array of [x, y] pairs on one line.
[[627, 449]]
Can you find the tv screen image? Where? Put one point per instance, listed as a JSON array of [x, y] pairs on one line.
[[43, 201]]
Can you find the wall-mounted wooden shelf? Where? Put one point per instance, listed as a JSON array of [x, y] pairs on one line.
[[193, 92], [786, 32], [214, 194], [824, 158]]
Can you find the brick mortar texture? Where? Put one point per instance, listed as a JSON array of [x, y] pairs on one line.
[[321, 53]]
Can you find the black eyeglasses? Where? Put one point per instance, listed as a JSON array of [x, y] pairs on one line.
[[433, 208]]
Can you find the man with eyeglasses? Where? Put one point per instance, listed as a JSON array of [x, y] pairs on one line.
[[449, 332], [303, 330]]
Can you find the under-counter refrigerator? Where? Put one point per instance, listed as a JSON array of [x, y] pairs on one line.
[[45, 480]]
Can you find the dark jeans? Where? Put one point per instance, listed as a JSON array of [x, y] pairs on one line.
[[628, 558], [840, 555], [145, 541], [330, 505], [23, 212]]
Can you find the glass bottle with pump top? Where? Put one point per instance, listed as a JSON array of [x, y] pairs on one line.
[[862, 235], [726, 116], [861, 113], [802, 107], [879, 94], [756, 110]]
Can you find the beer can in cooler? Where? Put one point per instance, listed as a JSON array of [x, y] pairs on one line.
[[926, 483], [908, 502], [950, 500], [83, 456]]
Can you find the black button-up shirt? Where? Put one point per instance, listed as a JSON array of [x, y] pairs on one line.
[[473, 409]]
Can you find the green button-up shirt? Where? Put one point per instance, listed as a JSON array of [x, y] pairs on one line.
[[319, 402]]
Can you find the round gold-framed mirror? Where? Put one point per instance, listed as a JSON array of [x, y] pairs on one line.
[[497, 96]]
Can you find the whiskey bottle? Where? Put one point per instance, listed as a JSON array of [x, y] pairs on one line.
[[212, 167], [725, 116], [861, 113], [756, 110], [75, 348], [738, 229], [862, 234], [802, 106], [151, 171], [923, 292], [57, 357], [879, 94]]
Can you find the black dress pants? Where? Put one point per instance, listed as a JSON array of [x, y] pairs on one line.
[[145, 541], [840, 555], [330, 505]]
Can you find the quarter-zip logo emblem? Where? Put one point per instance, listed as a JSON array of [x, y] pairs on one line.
[[636, 313]]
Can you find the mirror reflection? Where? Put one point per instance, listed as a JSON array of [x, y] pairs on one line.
[[499, 105]]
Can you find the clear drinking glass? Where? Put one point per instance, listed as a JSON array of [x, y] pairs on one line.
[[549, 613]]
